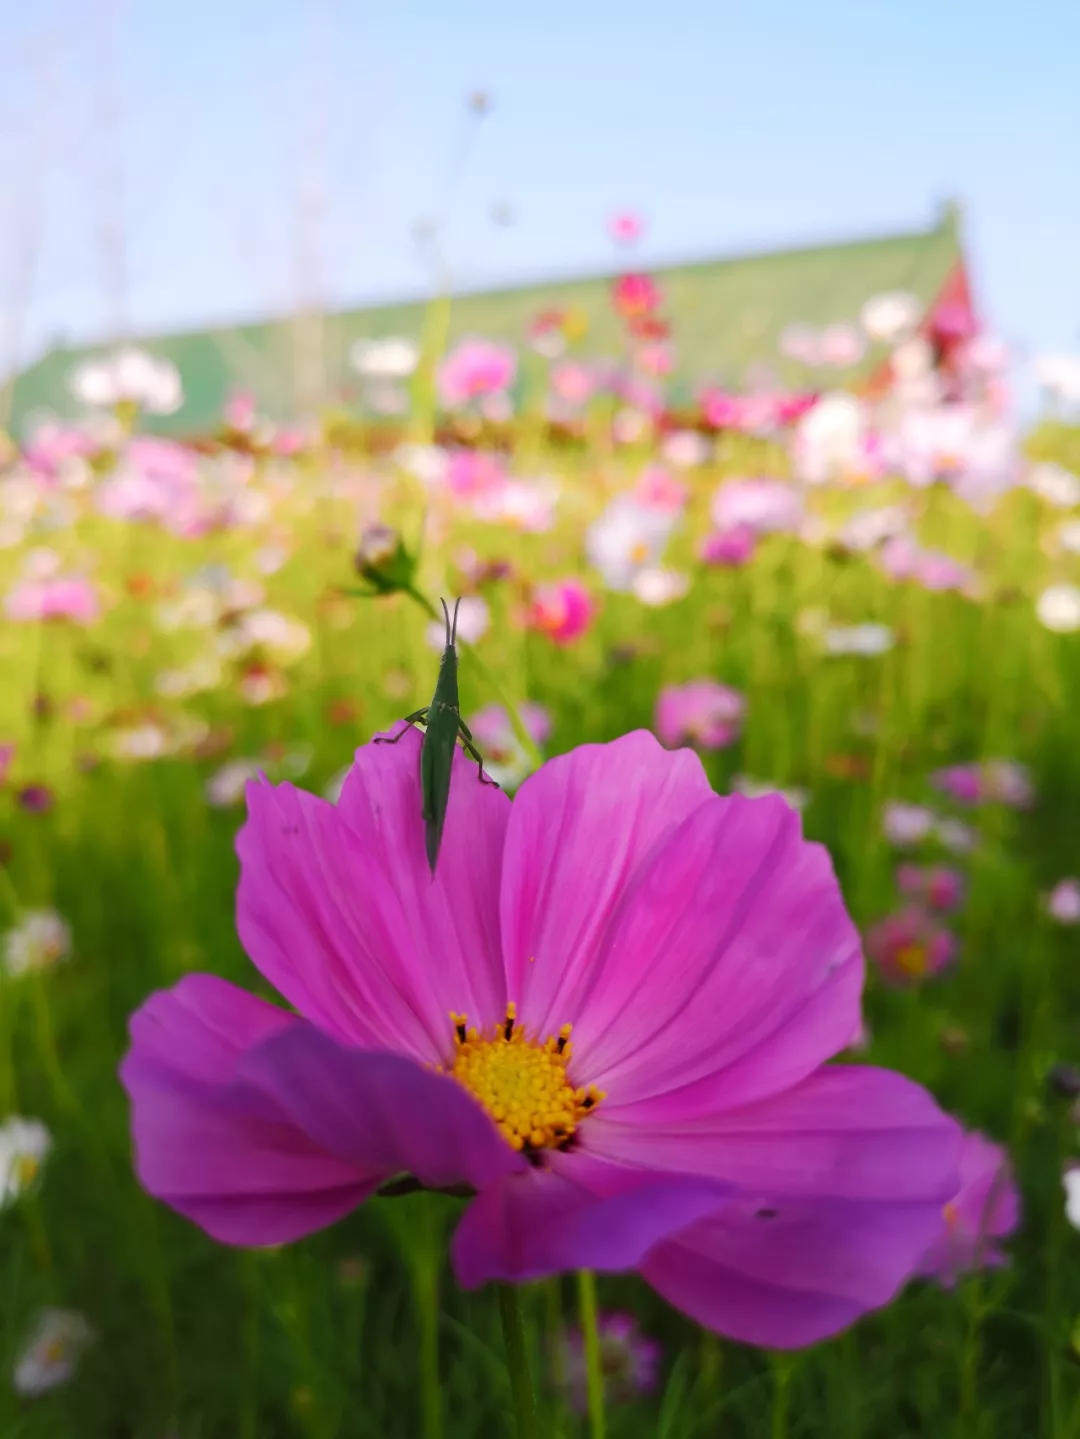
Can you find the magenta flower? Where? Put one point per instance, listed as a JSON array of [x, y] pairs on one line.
[[634, 296], [658, 489], [986, 1207], [58, 598], [606, 1018], [471, 474], [995, 781], [563, 610], [702, 713], [475, 370], [939, 886], [728, 547], [629, 1361], [626, 228], [910, 946], [573, 384]]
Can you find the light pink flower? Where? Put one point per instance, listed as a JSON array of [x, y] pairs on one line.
[[626, 228], [940, 887], [658, 489], [475, 369], [766, 506], [910, 946], [1063, 901], [703, 713], [728, 547], [61, 598], [985, 1208]]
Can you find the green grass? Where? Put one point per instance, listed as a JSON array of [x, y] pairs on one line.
[[228, 1345]]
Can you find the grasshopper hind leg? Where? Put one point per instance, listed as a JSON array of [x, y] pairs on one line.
[[471, 749], [417, 717]]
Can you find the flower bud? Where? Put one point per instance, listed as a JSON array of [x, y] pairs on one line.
[[383, 561]]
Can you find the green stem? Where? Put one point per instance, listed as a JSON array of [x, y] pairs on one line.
[[591, 1334], [782, 1380], [517, 1361]]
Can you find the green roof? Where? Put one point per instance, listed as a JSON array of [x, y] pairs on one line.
[[726, 316]]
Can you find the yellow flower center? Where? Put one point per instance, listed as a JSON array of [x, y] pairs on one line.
[[639, 552], [912, 959], [951, 1213], [522, 1082], [26, 1168]]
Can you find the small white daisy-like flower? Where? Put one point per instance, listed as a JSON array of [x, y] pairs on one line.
[[904, 824], [1071, 1180], [955, 835], [1058, 609], [40, 940], [145, 741], [227, 785], [658, 587], [52, 1352], [24, 1147], [858, 640]]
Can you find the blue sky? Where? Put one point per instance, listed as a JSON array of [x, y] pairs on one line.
[[258, 154]]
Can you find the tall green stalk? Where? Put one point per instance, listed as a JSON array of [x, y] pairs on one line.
[[517, 1362], [593, 1368]]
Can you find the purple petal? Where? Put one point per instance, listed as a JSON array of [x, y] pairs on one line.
[[847, 1132], [338, 909], [381, 1112], [545, 1222], [731, 957], [579, 830], [213, 1149], [791, 1274]]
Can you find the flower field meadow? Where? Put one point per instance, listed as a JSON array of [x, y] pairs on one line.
[[858, 616]]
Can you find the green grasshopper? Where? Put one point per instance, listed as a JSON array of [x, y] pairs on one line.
[[443, 726]]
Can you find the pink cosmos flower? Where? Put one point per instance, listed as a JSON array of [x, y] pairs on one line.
[[939, 887], [59, 598], [240, 411], [562, 610], [910, 946], [767, 506], [634, 296], [472, 473], [659, 489], [655, 358], [702, 712], [991, 781], [626, 228], [572, 384], [1062, 903], [628, 1359], [986, 1207], [728, 547], [667, 968], [475, 369]]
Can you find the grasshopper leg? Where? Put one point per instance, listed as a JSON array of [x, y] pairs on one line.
[[417, 715], [470, 748]]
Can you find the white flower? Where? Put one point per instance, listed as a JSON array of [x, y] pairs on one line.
[[390, 359], [283, 638], [526, 505], [129, 375], [1063, 901], [202, 674], [1071, 1180], [146, 741], [799, 343], [627, 538], [427, 462], [1069, 536], [630, 426], [473, 619], [890, 317], [658, 587], [227, 785], [1059, 375], [52, 1352], [828, 439], [686, 449], [24, 1147], [841, 346], [858, 639], [913, 360], [957, 837], [1055, 484], [757, 789], [1058, 608], [906, 824], [199, 608], [40, 940], [867, 528]]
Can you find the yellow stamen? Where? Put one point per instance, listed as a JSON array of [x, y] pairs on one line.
[[951, 1213], [522, 1082], [913, 960], [27, 1167]]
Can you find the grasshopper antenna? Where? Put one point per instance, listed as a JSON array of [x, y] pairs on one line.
[[446, 612], [453, 637]]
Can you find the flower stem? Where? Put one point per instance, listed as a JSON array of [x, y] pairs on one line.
[[591, 1334], [517, 1361]]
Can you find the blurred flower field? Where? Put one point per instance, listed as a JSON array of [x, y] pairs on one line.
[[869, 607]]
